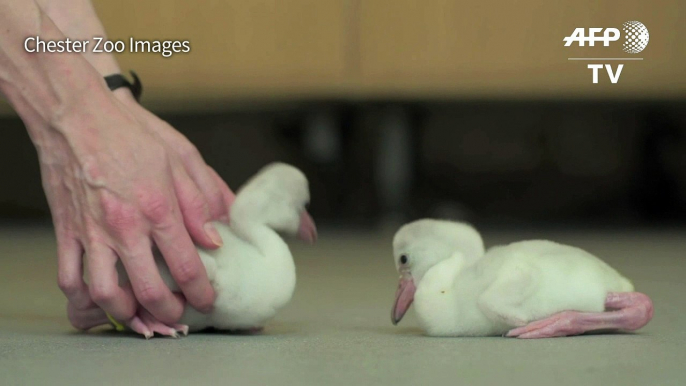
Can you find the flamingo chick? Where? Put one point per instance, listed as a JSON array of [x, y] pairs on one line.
[[527, 289], [253, 273]]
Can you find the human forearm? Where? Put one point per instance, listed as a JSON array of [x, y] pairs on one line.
[[78, 20], [42, 86], [117, 178]]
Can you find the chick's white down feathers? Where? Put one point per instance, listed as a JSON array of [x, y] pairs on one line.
[[253, 273], [462, 291]]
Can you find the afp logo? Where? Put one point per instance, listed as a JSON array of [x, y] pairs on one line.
[[636, 37]]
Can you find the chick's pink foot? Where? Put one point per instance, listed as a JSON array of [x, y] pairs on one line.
[[625, 311], [146, 324]]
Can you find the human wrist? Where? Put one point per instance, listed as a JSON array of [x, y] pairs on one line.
[[124, 95], [40, 132], [118, 82]]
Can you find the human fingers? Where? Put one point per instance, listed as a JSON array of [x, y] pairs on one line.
[[104, 286], [195, 211]]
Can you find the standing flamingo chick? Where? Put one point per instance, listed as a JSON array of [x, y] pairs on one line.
[[253, 273]]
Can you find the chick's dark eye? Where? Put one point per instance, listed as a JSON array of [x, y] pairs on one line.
[[403, 259]]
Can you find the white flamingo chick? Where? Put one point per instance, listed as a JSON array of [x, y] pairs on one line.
[[253, 273], [527, 289]]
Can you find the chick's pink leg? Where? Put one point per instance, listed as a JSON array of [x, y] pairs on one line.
[[625, 311], [146, 324]]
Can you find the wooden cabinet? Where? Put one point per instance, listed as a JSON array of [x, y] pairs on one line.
[[245, 50], [239, 49], [498, 49]]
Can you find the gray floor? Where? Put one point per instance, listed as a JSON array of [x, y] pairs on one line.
[[337, 330]]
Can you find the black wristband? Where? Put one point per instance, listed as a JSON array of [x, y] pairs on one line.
[[116, 81]]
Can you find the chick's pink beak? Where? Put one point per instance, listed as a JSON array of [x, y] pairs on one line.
[[307, 230], [403, 297]]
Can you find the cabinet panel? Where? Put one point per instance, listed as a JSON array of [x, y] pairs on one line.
[[238, 48], [514, 49]]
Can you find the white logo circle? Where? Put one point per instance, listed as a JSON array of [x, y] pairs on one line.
[[636, 35]]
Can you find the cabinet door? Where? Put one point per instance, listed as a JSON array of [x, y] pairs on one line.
[[238, 48]]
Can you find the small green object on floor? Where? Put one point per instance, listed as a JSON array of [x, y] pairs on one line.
[[117, 326]]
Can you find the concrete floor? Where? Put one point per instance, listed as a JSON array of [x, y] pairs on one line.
[[337, 330]]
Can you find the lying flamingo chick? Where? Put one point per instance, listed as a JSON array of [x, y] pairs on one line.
[[253, 274], [527, 289]]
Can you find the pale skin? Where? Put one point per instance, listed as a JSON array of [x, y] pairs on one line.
[[118, 179]]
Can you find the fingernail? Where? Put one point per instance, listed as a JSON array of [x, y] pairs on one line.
[[212, 233]]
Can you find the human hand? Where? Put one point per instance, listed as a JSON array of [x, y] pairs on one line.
[[217, 194], [115, 186]]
